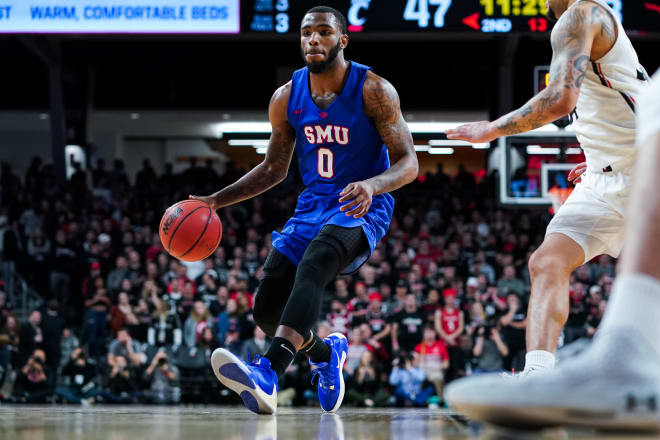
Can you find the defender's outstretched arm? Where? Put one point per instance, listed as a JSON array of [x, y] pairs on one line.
[[572, 40]]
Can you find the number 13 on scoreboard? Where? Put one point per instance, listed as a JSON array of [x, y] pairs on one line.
[[418, 10]]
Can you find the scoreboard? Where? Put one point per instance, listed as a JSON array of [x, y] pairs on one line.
[[270, 17], [486, 16]]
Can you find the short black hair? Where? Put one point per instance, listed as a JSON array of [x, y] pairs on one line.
[[341, 19]]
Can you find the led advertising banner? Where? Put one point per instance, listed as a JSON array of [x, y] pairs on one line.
[[120, 16]]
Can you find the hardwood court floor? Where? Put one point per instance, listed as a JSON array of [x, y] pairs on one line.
[[232, 423]]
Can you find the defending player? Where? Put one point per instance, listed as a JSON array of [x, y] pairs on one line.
[[343, 120], [595, 75], [615, 383]]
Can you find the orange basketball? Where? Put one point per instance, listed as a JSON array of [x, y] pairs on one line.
[[190, 230]]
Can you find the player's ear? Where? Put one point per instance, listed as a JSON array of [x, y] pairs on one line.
[[344, 41]]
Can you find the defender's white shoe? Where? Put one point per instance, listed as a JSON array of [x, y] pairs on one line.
[[614, 384], [522, 374]]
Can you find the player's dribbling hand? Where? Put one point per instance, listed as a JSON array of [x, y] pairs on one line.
[[359, 197], [576, 173], [476, 132], [209, 200]]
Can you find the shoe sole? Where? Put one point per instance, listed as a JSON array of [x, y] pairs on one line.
[[341, 377], [232, 373], [540, 417]]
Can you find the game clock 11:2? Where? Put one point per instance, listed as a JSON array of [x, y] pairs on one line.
[[534, 10], [528, 8]]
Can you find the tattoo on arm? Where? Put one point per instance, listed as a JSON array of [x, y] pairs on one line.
[[607, 24], [382, 105], [571, 42], [274, 168], [580, 66]]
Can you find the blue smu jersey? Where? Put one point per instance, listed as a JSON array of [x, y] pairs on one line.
[[339, 144]]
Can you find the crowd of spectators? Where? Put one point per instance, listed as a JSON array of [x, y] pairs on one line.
[[444, 295]]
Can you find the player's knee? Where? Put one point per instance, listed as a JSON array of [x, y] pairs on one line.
[[318, 257], [543, 263], [265, 315], [265, 322]]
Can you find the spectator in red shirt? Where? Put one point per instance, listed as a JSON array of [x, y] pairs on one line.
[[434, 358], [88, 282], [241, 291], [181, 279], [426, 255], [156, 248], [449, 320]]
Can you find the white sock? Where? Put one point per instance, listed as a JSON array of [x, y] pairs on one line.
[[539, 360], [635, 302]]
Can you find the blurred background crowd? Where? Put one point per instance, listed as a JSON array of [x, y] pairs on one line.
[[92, 309]]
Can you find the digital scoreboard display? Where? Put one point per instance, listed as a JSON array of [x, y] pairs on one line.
[[284, 16], [387, 16]]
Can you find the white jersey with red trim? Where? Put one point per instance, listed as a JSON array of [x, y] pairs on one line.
[[648, 117], [605, 124]]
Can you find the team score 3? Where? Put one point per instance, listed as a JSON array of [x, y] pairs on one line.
[[326, 163]]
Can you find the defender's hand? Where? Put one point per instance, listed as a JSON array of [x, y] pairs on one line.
[[476, 132], [359, 197], [576, 173], [209, 200]]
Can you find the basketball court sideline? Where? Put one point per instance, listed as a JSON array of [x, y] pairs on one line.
[[233, 423]]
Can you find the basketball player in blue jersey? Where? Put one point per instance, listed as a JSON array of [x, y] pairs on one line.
[[342, 120]]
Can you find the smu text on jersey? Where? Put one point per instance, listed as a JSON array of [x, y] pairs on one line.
[[328, 134]]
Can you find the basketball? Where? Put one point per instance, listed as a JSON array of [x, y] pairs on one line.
[[190, 230]]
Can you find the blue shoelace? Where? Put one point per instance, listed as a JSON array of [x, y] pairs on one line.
[[324, 374], [256, 362]]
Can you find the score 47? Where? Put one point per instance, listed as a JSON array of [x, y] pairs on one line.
[[418, 10]]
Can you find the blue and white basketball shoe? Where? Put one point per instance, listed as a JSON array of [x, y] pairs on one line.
[[255, 383], [331, 386]]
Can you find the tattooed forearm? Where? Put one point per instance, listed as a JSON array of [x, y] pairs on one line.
[[571, 43], [381, 104], [275, 166], [538, 112], [264, 176], [508, 125]]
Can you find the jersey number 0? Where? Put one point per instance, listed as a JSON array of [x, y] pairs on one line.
[[326, 163]]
